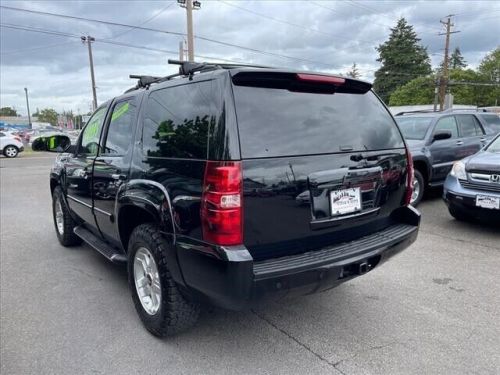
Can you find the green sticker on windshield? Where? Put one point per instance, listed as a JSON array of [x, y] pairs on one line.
[[119, 112]]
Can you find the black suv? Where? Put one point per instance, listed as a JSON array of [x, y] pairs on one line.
[[193, 182], [439, 139]]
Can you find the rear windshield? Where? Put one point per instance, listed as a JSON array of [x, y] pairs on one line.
[[492, 123], [414, 127], [277, 122]]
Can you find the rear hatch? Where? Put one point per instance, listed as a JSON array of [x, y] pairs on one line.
[[323, 161]]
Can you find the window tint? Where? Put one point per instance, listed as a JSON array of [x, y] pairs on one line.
[[92, 132], [447, 123], [414, 127], [278, 122], [120, 128], [469, 127], [492, 123], [2, 135], [177, 120]]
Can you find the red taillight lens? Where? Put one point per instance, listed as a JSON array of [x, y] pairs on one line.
[[316, 78], [409, 177], [18, 139], [222, 203]]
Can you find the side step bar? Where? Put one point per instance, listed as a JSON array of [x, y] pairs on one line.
[[98, 244]]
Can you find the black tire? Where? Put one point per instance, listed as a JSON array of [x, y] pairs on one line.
[[176, 313], [10, 151], [66, 237], [419, 179], [459, 214]]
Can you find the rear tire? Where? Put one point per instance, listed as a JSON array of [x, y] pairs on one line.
[[10, 151], [418, 186], [164, 311], [63, 222]]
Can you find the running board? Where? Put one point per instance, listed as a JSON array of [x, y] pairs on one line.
[[99, 245]]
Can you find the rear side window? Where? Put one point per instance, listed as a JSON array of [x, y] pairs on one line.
[[120, 128], [177, 120], [447, 123], [492, 123], [278, 122], [469, 127]]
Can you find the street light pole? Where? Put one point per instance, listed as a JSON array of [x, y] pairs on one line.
[[28, 107]]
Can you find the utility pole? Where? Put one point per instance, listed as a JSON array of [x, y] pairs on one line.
[[181, 50], [88, 39], [28, 107], [190, 5], [443, 81]]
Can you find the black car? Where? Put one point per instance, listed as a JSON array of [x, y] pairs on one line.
[[439, 139], [193, 182], [472, 189]]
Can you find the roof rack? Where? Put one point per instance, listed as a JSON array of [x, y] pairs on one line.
[[186, 68], [416, 111]]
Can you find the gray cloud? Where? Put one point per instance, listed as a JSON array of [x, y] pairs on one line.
[[56, 68]]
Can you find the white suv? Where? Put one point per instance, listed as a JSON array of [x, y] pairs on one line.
[[10, 145]]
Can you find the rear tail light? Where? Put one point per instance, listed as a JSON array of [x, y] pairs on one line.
[[17, 139], [409, 177], [222, 203], [317, 78]]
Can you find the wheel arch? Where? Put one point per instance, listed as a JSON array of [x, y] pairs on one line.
[[423, 168]]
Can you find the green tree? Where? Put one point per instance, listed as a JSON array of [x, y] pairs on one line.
[[418, 91], [354, 72], [489, 73], [48, 115], [403, 58], [457, 61], [8, 111]]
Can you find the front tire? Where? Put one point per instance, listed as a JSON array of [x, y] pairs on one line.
[[10, 151], [418, 189], [63, 222], [164, 311]]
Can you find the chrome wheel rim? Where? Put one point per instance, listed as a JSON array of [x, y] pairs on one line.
[[59, 217], [147, 281], [416, 191], [10, 152]]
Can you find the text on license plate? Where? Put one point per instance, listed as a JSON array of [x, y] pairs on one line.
[[487, 201], [345, 201]]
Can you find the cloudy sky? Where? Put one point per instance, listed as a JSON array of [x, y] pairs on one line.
[[312, 35]]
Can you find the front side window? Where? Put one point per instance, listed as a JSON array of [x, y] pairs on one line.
[[92, 132], [177, 120], [120, 129], [469, 127], [447, 123]]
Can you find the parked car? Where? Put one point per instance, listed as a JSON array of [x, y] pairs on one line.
[[157, 180], [491, 122], [472, 189], [10, 145], [437, 140]]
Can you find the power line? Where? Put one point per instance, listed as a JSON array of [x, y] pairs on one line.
[[22, 50], [291, 23], [227, 44], [144, 22]]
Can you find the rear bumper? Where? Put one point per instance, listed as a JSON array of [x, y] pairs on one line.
[[232, 280]]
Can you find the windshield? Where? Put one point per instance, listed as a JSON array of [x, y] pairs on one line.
[[494, 146], [492, 123], [414, 127], [275, 122]]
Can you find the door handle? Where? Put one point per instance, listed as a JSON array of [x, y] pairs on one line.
[[459, 143]]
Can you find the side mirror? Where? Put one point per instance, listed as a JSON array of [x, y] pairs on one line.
[[441, 134], [51, 143]]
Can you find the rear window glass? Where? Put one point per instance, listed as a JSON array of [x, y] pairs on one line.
[[414, 127], [492, 123], [276, 122]]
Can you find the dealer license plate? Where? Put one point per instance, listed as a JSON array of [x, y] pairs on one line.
[[345, 201], [487, 201]]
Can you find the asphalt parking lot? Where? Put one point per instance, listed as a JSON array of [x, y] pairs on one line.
[[434, 309]]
